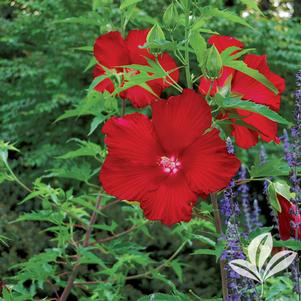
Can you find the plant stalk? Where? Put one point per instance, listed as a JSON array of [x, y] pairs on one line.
[[218, 225], [187, 62]]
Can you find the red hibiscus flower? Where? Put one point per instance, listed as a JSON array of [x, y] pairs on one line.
[[249, 89], [112, 52], [285, 217], [166, 162]]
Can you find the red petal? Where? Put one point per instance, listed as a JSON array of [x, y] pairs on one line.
[[110, 50], [132, 139], [134, 41], [267, 128], [253, 90], [171, 203], [244, 137], [207, 165], [104, 85], [128, 181], [180, 120], [224, 42], [140, 97], [285, 217]]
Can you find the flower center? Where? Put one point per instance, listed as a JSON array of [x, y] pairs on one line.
[[170, 165]]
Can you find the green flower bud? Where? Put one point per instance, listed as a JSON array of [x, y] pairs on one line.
[[155, 34], [185, 4], [170, 17], [213, 64], [154, 37]]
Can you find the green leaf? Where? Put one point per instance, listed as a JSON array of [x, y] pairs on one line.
[[283, 189], [97, 80], [91, 63], [42, 215], [237, 103], [92, 104], [272, 196], [97, 120], [87, 257], [84, 48], [290, 244], [251, 4], [204, 239], [5, 147], [86, 149], [259, 231], [155, 34], [80, 172], [273, 167], [127, 3], [81, 20], [110, 228], [204, 252], [176, 266], [243, 67], [209, 11], [199, 46]]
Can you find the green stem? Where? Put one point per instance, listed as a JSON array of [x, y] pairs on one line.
[[262, 292], [218, 225], [187, 62], [209, 90], [16, 179]]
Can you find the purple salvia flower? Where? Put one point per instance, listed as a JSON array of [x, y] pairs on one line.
[[230, 147], [293, 155], [233, 251], [243, 190], [256, 215], [263, 159]]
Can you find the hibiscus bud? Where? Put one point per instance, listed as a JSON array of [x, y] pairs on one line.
[[154, 37], [170, 17], [155, 34], [213, 64], [185, 4]]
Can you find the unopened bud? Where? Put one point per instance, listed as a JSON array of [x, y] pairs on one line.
[[154, 37], [213, 64], [170, 17]]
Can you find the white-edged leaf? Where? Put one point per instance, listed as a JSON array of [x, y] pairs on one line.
[[284, 259], [245, 268], [265, 251], [254, 245]]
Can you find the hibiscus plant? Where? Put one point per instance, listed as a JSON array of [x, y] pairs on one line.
[[177, 109]]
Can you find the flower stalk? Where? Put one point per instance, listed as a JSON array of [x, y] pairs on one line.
[[218, 225]]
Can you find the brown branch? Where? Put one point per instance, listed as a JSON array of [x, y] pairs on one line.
[[76, 266], [109, 238]]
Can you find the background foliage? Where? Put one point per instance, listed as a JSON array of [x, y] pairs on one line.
[[44, 71]]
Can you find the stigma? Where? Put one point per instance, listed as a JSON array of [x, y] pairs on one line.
[[170, 165]]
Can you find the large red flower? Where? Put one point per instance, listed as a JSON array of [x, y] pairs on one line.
[[285, 217], [112, 52], [248, 89], [166, 162]]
